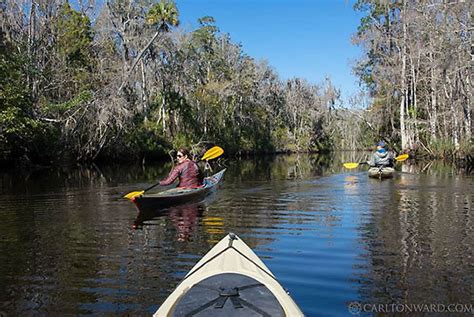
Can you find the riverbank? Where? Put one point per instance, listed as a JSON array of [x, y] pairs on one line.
[[332, 160], [462, 160]]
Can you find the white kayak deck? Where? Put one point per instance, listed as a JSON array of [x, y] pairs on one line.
[[230, 255]]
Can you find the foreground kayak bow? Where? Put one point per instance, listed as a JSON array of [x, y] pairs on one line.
[[230, 280]]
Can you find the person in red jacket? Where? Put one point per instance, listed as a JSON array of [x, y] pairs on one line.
[[187, 171]]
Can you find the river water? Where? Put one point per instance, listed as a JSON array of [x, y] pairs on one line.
[[339, 242]]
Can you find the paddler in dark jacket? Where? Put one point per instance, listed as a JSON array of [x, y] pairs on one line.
[[381, 157], [187, 171]]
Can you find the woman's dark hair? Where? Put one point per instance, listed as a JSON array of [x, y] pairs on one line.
[[185, 152]]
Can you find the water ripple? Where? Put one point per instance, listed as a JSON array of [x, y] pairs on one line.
[[70, 247]]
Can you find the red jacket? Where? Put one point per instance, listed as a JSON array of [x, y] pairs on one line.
[[188, 173]]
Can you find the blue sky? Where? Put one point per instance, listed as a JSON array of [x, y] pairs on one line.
[[299, 38]]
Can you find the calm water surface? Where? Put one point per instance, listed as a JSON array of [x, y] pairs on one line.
[[69, 244]]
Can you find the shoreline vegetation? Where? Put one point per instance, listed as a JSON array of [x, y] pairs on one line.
[[124, 82], [303, 164]]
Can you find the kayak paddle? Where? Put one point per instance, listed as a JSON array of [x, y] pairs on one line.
[[399, 158], [210, 154]]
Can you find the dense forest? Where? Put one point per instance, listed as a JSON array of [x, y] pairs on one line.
[[417, 68], [124, 81]]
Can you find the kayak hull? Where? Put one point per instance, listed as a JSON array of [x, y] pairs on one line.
[[230, 280], [176, 196], [384, 172]]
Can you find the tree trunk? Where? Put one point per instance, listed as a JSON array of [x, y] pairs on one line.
[[433, 114], [144, 92], [32, 82], [205, 121], [415, 137], [163, 110], [467, 109], [403, 88], [469, 101], [129, 73], [449, 98]]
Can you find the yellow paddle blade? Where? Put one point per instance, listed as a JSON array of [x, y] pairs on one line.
[[133, 194], [350, 165], [212, 153], [402, 157]]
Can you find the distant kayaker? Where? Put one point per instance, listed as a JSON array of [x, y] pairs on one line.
[[187, 171], [381, 157]]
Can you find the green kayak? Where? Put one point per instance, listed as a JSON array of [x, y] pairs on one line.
[[178, 195], [230, 280], [381, 172]]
